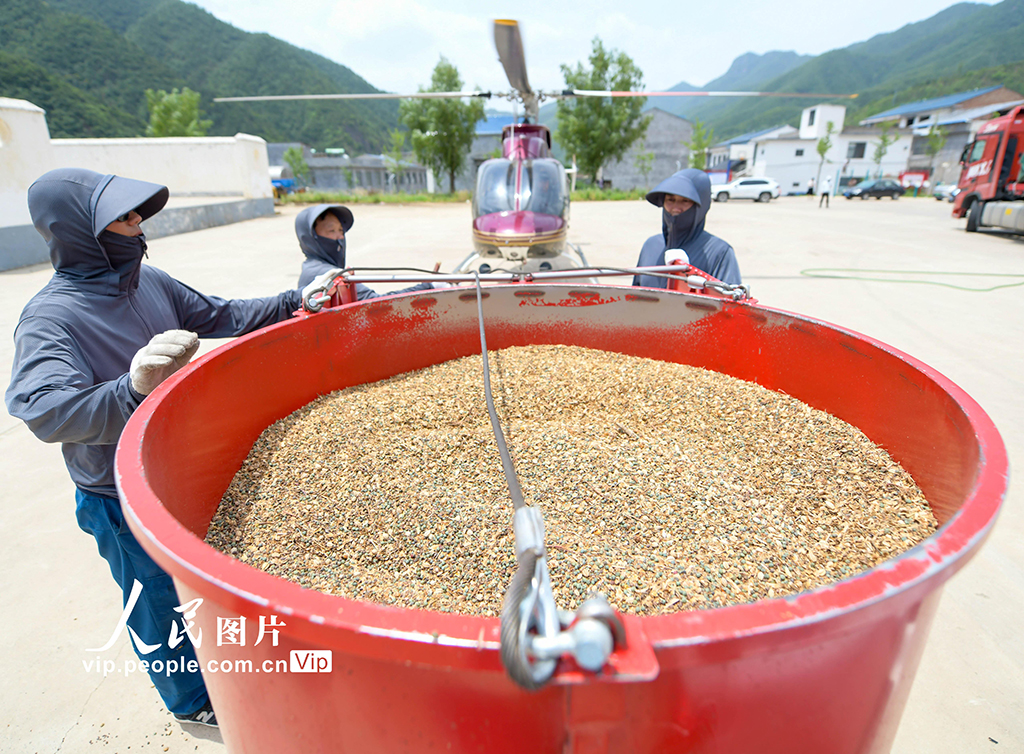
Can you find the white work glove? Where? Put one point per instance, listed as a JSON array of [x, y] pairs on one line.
[[318, 292], [164, 355], [676, 255]]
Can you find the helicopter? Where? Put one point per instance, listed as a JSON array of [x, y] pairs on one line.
[[520, 203]]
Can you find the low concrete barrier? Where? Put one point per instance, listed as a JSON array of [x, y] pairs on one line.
[[216, 166], [21, 245], [193, 166], [174, 220]]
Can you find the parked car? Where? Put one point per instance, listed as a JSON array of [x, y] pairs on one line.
[[758, 189], [283, 186], [945, 192], [876, 188]]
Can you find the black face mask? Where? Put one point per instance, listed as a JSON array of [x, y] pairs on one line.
[[334, 250], [123, 251], [679, 226]]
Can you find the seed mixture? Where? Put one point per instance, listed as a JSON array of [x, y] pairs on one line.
[[664, 487]]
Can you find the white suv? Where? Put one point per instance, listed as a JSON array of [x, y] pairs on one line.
[[758, 189]]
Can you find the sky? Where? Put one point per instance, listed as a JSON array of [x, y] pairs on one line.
[[395, 44]]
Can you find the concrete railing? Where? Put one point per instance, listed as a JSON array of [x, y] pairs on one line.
[[25, 154], [230, 166], [194, 166]]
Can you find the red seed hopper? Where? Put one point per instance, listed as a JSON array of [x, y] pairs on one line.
[[822, 671]]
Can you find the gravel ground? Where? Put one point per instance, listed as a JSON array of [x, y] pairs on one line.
[[663, 486]]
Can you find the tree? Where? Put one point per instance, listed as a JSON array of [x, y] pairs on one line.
[[700, 139], [884, 142], [300, 169], [600, 129], [175, 114], [936, 141], [442, 129], [645, 163], [350, 177], [824, 144], [394, 155]]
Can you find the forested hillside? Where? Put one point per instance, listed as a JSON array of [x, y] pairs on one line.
[[89, 62], [92, 60], [70, 112], [879, 99], [747, 72], [934, 55]]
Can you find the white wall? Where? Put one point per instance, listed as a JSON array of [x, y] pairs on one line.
[[822, 115], [894, 162], [25, 154], [188, 166], [777, 159]]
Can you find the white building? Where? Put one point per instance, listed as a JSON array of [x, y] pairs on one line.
[[926, 112], [661, 152], [958, 115], [793, 159], [732, 159]]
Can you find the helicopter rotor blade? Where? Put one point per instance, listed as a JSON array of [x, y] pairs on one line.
[[509, 43], [602, 93], [382, 95]]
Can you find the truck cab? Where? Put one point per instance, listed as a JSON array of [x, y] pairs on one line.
[[992, 173]]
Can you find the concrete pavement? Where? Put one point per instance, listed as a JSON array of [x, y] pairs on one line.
[[969, 692]]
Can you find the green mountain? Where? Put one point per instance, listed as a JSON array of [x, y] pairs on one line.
[[748, 72], [70, 112], [113, 50], [116, 14], [962, 38], [883, 98], [87, 55]]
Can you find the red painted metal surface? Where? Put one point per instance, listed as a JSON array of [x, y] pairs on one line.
[[822, 671]]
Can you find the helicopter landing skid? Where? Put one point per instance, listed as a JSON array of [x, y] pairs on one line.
[[572, 258]]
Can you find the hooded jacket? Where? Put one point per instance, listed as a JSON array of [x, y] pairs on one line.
[[686, 231], [323, 254], [76, 338]]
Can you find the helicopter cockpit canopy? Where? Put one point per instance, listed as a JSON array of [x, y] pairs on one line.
[[537, 186]]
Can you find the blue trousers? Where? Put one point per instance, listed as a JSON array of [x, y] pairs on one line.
[[151, 618]]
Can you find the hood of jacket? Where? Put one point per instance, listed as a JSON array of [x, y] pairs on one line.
[[684, 228], [71, 207], [317, 247]]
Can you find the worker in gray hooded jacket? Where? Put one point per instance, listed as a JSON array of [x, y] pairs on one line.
[[101, 335], [321, 232], [685, 198]]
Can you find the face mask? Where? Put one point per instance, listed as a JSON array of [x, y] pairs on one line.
[[679, 226], [335, 250], [123, 251]]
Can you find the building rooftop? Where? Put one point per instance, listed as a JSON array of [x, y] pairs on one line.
[[928, 105], [744, 138], [663, 111], [871, 131], [965, 116], [494, 124]]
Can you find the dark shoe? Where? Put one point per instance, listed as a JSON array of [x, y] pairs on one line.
[[202, 716]]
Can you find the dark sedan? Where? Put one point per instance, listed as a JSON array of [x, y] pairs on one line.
[[877, 188]]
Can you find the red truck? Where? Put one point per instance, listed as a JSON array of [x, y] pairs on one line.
[[992, 179]]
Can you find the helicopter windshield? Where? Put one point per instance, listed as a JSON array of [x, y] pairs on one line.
[[542, 187]]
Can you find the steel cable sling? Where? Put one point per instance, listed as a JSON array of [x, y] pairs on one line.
[[534, 633]]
